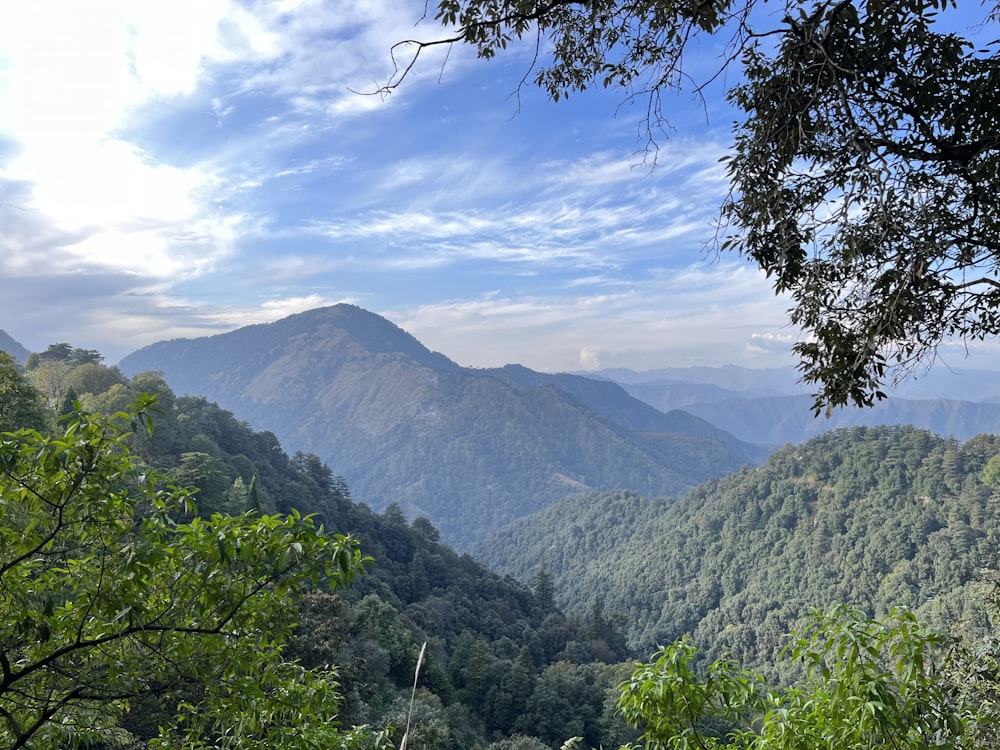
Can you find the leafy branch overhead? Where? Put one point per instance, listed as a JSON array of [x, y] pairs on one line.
[[864, 172]]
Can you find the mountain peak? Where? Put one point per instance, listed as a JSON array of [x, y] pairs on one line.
[[468, 449], [371, 331], [254, 347]]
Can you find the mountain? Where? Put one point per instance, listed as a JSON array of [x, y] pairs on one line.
[[769, 407], [784, 419], [733, 378], [613, 403], [13, 348], [468, 449], [942, 381], [875, 517], [775, 420], [497, 657]]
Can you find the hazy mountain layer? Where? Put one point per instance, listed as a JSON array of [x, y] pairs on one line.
[[770, 407], [614, 404], [12, 347], [776, 420], [733, 378], [940, 382], [469, 449], [878, 517]]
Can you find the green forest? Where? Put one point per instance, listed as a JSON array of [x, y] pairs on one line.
[[172, 578], [469, 449], [840, 592], [503, 666], [878, 517]]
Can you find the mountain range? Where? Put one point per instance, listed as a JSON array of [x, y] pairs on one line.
[[515, 467], [472, 449], [771, 407], [469, 449]]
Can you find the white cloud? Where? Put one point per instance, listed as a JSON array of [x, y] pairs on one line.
[[702, 315], [594, 170], [119, 325], [164, 252], [310, 166], [276, 309], [110, 182], [76, 72], [766, 343], [590, 359], [525, 222], [109, 209], [682, 157], [330, 51], [73, 80]]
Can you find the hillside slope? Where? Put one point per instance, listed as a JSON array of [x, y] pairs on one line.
[[877, 517], [613, 403], [468, 449], [496, 654], [12, 347]]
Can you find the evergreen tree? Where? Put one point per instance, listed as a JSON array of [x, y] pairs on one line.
[[67, 407], [20, 404]]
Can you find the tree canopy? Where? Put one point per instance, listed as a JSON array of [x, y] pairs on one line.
[[864, 172], [497, 659], [20, 404], [867, 684], [875, 517], [107, 598]]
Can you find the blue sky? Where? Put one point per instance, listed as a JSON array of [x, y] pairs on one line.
[[185, 168]]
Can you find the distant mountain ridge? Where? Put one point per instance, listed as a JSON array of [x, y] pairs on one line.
[[770, 407], [469, 449], [773, 381], [788, 419], [616, 405], [941, 381], [13, 348]]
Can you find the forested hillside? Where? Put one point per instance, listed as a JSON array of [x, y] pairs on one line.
[[880, 518], [469, 449], [501, 658], [615, 405], [877, 517]]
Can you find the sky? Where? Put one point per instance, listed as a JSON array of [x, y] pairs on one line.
[[183, 169]]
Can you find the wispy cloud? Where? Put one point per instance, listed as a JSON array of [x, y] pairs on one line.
[[156, 316], [766, 343], [550, 216], [186, 168], [676, 319]]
